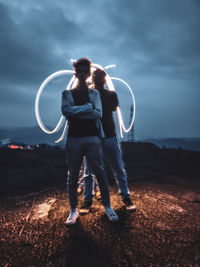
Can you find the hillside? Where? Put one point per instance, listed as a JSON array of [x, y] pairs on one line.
[[184, 143], [29, 135], [34, 135], [164, 231]]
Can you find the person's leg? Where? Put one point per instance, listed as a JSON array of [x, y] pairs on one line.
[[88, 189], [97, 190], [74, 148], [94, 156], [80, 180], [113, 156], [88, 182]]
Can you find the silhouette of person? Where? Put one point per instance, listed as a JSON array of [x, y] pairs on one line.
[[111, 147], [82, 107]]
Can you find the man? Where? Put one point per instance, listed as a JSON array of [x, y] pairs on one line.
[[111, 146], [82, 107]]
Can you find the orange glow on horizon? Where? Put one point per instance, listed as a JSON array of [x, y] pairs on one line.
[[15, 147]]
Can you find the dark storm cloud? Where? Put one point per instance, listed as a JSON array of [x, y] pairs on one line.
[[155, 45], [158, 35], [29, 52], [151, 29], [28, 43]]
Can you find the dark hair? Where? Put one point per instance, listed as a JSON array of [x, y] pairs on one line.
[[82, 62]]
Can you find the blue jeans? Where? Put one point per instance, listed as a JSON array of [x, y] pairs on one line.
[[76, 149], [113, 157], [89, 182]]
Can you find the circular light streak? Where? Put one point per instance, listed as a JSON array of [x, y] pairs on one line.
[[121, 122], [37, 113], [72, 83]]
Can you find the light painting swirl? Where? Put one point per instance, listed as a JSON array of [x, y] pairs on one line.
[[72, 83]]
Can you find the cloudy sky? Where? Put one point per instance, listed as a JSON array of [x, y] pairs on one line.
[[154, 43]]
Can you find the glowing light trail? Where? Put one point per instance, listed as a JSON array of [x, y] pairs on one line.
[[37, 113], [63, 133], [121, 122], [109, 66], [72, 83]]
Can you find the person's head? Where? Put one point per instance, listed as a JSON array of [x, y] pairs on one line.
[[99, 78], [82, 69]]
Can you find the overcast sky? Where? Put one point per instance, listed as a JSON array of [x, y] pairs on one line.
[[154, 43]]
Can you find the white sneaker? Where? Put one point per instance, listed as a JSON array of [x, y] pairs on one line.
[[112, 216], [72, 217]]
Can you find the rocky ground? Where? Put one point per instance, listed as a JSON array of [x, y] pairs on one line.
[[164, 231]]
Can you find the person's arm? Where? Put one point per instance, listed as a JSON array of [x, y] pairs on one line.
[[70, 110], [96, 112]]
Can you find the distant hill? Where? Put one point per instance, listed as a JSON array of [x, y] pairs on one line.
[[29, 135], [34, 135], [183, 143]]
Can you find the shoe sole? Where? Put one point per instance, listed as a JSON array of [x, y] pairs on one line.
[[98, 196], [112, 219], [131, 209], [84, 211], [71, 223]]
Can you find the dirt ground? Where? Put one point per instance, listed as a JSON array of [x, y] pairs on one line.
[[164, 230]]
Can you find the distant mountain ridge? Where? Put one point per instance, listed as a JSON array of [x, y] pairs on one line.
[[29, 135], [183, 143], [34, 135]]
